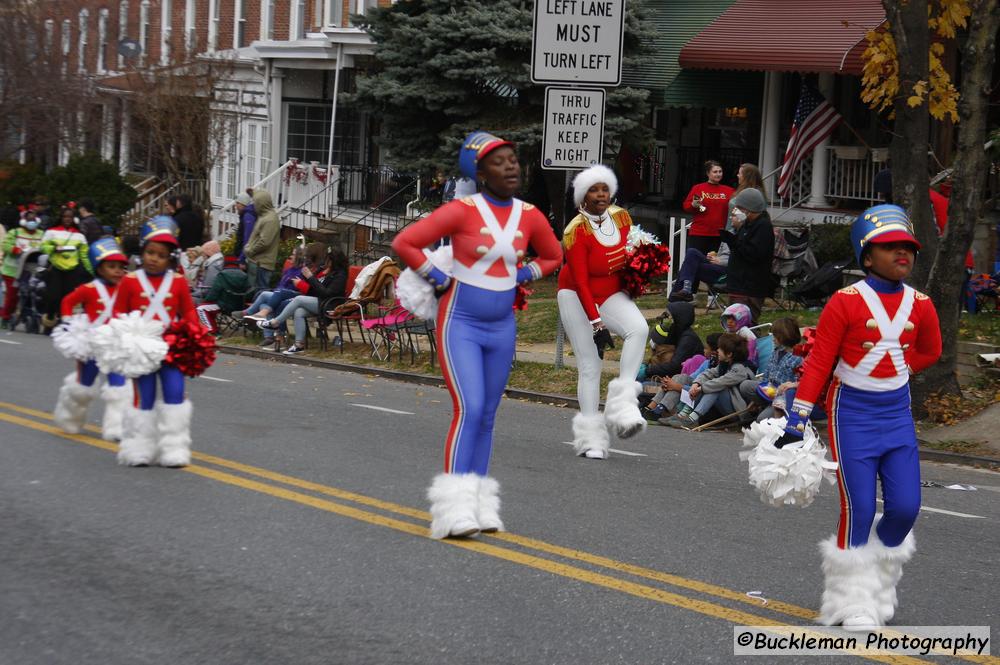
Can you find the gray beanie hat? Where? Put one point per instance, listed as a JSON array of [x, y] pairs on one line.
[[243, 199], [750, 199]]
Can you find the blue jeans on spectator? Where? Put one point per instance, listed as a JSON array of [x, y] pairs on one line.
[[299, 307], [263, 278], [696, 268], [261, 299], [720, 399]]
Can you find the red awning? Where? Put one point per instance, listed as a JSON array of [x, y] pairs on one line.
[[786, 36]]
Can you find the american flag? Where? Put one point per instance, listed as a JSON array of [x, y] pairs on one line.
[[814, 120]]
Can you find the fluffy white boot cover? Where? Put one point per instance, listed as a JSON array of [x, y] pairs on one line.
[[622, 407], [138, 445], [488, 514], [890, 570], [850, 595], [454, 501], [590, 436], [174, 424], [115, 398], [72, 403]]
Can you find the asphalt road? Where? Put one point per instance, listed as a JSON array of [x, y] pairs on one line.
[[298, 536]]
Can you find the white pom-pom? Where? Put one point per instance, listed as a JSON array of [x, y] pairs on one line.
[[415, 293], [72, 337], [637, 237], [128, 345], [787, 476]]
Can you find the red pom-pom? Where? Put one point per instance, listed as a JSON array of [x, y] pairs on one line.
[[643, 264], [191, 347], [521, 298]]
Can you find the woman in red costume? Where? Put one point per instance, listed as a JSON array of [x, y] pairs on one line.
[[592, 305], [490, 233]]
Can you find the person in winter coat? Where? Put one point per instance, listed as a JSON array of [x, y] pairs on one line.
[[17, 243], [679, 335], [90, 226], [262, 249], [248, 217], [718, 386], [190, 223], [708, 202], [751, 246], [210, 269], [69, 264], [328, 280]]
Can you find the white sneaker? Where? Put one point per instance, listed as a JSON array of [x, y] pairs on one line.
[[859, 622], [463, 529], [596, 453], [293, 350]]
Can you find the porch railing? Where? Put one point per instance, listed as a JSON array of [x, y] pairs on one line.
[[380, 222]]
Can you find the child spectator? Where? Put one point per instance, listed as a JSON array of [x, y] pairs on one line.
[[782, 366], [737, 319], [717, 386], [683, 340], [666, 398]]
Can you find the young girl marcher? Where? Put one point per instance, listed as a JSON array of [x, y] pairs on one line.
[[97, 298], [871, 336], [157, 432], [490, 233], [592, 301]]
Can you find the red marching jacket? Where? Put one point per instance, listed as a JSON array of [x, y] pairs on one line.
[[177, 303], [89, 297], [593, 269]]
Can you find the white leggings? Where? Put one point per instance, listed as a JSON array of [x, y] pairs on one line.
[[623, 318]]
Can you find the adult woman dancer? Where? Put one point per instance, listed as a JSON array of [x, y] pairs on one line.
[[489, 233], [877, 331], [592, 302]]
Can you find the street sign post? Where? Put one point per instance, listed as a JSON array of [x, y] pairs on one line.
[[574, 128], [578, 42]]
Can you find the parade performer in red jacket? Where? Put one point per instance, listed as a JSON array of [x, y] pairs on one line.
[[871, 336], [490, 233], [157, 432], [97, 299], [592, 301]]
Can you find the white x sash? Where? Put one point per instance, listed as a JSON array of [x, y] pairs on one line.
[[890, 331], [156, 309], [107, 300], [503, 248]]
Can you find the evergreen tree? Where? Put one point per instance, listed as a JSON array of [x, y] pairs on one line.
[[444, 68]]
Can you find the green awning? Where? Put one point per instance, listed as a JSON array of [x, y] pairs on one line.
[[712, 88], [676, 22]]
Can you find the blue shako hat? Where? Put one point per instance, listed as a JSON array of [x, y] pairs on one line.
[[105, 249], [878, 224], [161, 229], [476, 146]]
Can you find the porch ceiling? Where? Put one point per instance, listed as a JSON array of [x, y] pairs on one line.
[[786, 36]]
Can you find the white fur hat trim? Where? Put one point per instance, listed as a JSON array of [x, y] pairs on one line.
[[587, 178]]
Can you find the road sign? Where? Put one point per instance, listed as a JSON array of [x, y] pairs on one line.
[[574, 128], [578, 41]]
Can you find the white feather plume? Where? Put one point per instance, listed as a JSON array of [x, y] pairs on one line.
[[128, 345], [787, 476], [72, 337], [415, 293], [637, 237]]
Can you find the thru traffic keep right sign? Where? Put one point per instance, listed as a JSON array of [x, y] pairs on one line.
[[574, 128]]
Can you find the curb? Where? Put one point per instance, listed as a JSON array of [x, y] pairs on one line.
[[526, 395], [408, 377]]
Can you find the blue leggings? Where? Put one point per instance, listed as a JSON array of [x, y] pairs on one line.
[[475, 334], [87, 373], [171, 381], [872, 436]]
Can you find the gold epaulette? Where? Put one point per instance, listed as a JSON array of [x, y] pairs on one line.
[[921, 296], [528, 206], [849, 291], [467, 200]]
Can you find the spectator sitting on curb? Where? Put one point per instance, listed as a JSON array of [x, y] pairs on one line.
[[679, 335], [717, 387], [665, 400]]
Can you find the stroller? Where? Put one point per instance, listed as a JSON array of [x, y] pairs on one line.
[[793, 260], [822, 283], [31, 291]]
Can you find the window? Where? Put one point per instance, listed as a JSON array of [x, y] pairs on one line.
[[189, 30], [102, 40], [239, 23], [266, 19], [50, 35], [296, 28], [81, 58], [213, 24], [308, 134], [122, 29], [66, 43], [252, 155], [166, 20], [334, 13], [143, 30]]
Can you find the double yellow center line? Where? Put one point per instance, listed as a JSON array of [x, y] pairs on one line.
[[509, 547]]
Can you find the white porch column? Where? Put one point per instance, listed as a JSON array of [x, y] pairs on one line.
[[769, 133], [817, 198], [125, 130], [107, 133], [275, 117]]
